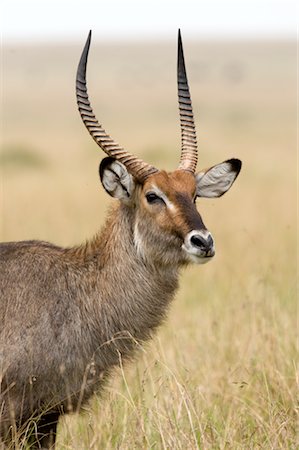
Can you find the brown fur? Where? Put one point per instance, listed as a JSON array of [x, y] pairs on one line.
[[70, 315], [180, 188]]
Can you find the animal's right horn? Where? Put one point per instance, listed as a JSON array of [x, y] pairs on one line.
[[138, 168]]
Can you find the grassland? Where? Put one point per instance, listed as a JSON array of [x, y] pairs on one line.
[[221, 372]]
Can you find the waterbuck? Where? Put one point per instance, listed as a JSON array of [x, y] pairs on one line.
[[69, 315]]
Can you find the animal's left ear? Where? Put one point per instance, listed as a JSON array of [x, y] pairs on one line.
[[215, 181]]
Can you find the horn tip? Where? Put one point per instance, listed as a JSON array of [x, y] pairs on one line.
[[179, 36]]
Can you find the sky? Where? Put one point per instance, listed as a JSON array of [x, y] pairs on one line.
[[57, 20]]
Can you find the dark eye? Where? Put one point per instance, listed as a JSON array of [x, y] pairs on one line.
[[151, 197]]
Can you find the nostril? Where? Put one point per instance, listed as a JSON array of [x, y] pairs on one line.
[[198, 241], [202, 242], [210, 241]]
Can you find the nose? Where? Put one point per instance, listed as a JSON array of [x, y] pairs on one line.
[[200, 242]]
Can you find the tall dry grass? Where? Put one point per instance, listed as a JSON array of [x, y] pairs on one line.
[[221, 372]]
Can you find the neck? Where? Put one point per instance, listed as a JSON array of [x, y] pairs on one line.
[[131, 295]]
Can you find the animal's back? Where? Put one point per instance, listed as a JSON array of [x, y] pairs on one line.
[[25, 273], [37, 316]]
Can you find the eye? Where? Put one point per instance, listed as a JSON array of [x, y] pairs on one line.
[[151, 197]]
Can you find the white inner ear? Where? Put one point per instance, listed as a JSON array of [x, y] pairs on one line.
[[215, 181], [117, 181]]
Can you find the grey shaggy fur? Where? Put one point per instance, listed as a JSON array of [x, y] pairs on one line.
[[69, 315]]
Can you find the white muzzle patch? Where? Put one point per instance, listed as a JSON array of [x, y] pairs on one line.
[[199, 246]]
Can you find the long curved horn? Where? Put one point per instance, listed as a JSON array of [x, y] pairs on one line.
[[188, 134], [138, 168]]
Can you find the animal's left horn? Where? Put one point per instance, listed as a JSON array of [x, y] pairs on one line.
[[138, 168], [188, 134]]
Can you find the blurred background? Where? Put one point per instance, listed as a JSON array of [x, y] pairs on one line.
[[240, 308]]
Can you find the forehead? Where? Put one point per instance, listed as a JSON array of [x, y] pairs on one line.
[[171, 182]]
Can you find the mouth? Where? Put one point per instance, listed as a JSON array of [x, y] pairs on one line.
[[198, 257]]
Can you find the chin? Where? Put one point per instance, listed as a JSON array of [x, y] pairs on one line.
[[197, 259]]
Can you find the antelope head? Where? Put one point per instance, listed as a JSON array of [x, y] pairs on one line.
[[167, 226]]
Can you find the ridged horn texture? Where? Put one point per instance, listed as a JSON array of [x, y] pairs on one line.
[[136, 167], [188, 134]]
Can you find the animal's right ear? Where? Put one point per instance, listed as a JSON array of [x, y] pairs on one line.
[[116, 180]]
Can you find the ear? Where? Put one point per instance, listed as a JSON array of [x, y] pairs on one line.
[[215, 181], [115, 179]]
